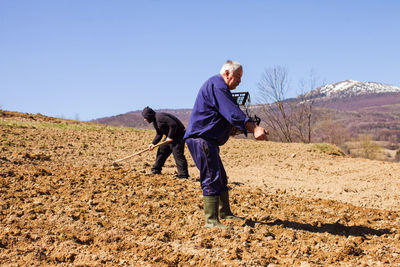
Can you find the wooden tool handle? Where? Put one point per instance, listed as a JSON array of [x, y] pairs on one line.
[[140, 152]]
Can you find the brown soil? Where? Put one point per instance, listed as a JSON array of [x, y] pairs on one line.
[[63, 203]]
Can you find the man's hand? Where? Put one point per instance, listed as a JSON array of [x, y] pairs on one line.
[[151, 147], [169, 140], [260, 133]]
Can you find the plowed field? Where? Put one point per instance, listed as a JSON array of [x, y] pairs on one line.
[[62, 202]]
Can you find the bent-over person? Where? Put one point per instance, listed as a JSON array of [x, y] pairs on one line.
[[170, 126]]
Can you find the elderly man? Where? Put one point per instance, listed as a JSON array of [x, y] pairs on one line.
[[170, 126], [214, 114]]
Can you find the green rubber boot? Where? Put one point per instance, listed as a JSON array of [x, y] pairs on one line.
[[224, 208], [211, 213]]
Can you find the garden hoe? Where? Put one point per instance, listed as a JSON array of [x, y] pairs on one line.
[[115, 163]]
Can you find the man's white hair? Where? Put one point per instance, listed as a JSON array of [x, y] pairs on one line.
[[231, 66]]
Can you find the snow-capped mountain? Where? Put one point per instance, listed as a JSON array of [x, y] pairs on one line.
[[350, 88], [355, 95]]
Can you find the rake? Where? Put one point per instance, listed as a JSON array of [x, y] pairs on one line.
[[115, 163]]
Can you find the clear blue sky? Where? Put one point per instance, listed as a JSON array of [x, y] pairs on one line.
[[88, 59]]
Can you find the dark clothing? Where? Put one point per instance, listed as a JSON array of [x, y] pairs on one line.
[[215, 112], [170, 126], [177, 150], [205, 154]]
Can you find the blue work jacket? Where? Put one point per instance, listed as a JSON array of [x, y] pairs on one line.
[[215, 112]]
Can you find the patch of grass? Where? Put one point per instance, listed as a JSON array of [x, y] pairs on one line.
[[13, 124], [65, 126], [328, 149]]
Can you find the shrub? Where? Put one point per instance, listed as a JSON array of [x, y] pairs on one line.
[[366, 147], [397, 157], [329, 149]]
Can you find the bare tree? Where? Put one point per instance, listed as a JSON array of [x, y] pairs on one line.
[[304, 113], [272, 90]]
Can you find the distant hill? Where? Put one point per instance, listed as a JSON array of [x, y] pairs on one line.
[[361, 107], [350, 88], [354, 95], [134, 119]]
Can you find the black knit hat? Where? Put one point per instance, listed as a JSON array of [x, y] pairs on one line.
[[148, 114]]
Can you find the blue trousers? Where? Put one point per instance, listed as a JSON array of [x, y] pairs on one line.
[[205, 154]]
